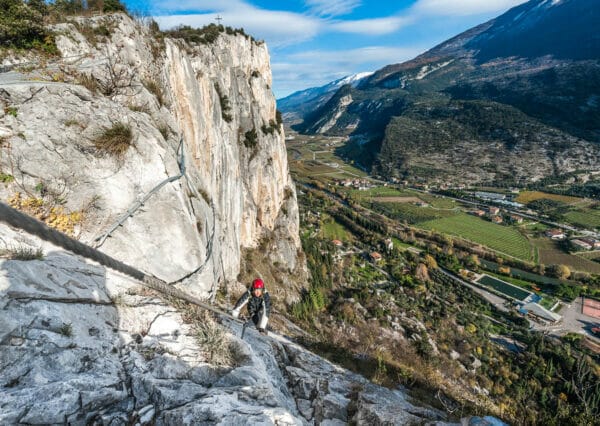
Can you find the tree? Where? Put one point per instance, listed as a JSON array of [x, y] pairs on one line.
[[559, 271], [473, 261], [20, 25], [430, 261]]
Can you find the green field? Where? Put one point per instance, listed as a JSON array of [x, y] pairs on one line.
[[381, 191], [526, 197], [402, 245], [503, 287], [331, 230], [410, 213], [551, 253], [437, 201], [588, 218], [504, 239]]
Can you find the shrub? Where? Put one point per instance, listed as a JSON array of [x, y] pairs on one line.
[[22, 253], [5, 178], [250, 138], [110, 6], [89, 82], [21, 26], [115, 141], [205, 35], [79, 7], [66, 329], [271, 128], [154, 88], [11, 111]]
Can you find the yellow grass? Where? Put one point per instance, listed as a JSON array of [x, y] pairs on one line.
[[529, 196]]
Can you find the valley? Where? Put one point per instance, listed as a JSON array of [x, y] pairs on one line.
[[396, 267]]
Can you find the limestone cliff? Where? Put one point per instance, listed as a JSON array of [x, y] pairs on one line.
[[116, 75]]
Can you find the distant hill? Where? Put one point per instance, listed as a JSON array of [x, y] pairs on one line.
[[296, 105], [510, 101]]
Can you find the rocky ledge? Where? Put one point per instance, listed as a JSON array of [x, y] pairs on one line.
[[81, 344]]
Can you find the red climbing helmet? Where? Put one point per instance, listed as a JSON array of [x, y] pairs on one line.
[[258, 283]]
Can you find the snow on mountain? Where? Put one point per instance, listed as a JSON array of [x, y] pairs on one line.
[[298, 103]]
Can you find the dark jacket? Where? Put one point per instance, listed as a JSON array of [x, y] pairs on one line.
[[258, 307]]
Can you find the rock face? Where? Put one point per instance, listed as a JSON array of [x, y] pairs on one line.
[[80, 344], [186, 108]]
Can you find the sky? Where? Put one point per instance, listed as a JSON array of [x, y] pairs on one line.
[[313, 42]]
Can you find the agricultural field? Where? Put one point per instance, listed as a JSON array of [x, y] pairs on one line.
[[439, 202], [550, 254], [331, 230], [410, 213], [529, 196], [381, 191], [587, 218], [403, 246], [313, 159], [590, 254], [505, 239]]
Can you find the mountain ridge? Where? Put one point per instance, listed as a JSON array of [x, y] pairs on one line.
[[560, 94]]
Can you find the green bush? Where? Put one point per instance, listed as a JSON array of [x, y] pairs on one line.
[[21, 26], [113, 6], [205, 35], [78, 7], [250, 138]]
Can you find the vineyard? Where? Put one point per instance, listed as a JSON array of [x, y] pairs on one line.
[[551, 254], [504, 239], [589, 218]]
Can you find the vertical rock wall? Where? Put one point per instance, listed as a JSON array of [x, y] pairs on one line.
[[236, 190]]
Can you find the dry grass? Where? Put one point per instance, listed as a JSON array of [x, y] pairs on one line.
[[211, 336], [115, 141], [22, 253], [154, 88], [526, 197], [89, 82]]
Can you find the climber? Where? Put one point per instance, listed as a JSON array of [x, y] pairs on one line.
[[259, 304]]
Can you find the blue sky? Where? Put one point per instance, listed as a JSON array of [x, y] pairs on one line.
[[312, 42]]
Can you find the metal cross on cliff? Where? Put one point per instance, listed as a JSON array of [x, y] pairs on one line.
[[218, 19]]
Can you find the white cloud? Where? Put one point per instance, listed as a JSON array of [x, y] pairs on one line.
[[318, 67], [278, 28], [462, 7], [332, 7], [360, 55], [377, 26]]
